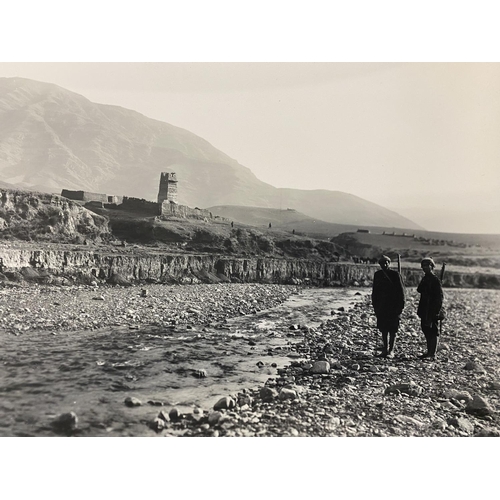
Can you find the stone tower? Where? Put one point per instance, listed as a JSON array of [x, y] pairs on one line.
[[168, 187]]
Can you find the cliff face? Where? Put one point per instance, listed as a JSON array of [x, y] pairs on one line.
[[51, 265], [28, 215]]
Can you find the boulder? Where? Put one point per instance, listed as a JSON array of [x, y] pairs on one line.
[[131, 402], [225, 403], [321, 367], [158, 424], [200, 373], [461, 423], [65, 423], [267, 394], [214, 417], [164, 416], [410, 388], [487, 432], [29, 273], [479, 406], [286, 393], [118, 279], [174, 414], [245, 399], [458, 395], [474, 366]]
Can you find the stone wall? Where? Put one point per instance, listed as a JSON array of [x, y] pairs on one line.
[[87, 196], [84, 196], [168, 209], [140, 205]]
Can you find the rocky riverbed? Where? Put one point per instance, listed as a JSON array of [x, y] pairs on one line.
[[321, 373]]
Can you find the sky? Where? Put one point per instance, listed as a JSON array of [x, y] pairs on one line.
[[419, 138]]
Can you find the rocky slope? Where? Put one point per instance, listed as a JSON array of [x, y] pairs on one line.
[[58, 139], [43, 217]]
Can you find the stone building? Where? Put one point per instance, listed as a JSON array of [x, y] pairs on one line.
[[168, 187]]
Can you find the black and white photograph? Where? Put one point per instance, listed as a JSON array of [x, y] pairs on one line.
[[249, 246]]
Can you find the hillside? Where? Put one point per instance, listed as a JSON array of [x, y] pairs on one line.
[[288, 220], [30, 216], [43, 218], [51, 138], [466, 250]]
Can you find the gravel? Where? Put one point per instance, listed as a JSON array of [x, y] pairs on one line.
[[355, 393]]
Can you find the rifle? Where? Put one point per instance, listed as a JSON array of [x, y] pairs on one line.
[[399, 264], [441, 278]]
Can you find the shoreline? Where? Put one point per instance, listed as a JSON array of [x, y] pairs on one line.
[[458, 395]]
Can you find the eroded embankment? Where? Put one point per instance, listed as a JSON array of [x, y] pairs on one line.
[[50, 265]]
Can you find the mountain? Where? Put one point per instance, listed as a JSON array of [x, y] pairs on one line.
[[53, 138]]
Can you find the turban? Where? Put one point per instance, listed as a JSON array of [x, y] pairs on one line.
[[429, 261], [383, 259]]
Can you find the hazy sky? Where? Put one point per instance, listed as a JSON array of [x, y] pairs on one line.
[[419, 138]]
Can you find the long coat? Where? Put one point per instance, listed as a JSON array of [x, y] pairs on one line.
[[431, 298], [388, 294]]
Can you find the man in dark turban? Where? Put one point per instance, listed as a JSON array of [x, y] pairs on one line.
[[388, 299], [429, 306]]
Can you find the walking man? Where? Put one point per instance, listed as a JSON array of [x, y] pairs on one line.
[[429, 306], [388, 299]]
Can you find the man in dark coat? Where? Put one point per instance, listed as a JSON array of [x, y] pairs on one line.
[[429, 306], [388, 299]]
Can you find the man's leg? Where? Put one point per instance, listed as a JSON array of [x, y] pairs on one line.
[[392, 341], [425, 331], [433, 340], [385, 336]]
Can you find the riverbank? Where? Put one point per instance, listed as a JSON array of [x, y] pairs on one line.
[[333, 385]]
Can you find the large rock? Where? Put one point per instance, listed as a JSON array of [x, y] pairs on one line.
[[131, 402], [267, 394], [479, 406], [65, 423], [118, 279], [286, 393], [174, 414], [409, 388], [474, 366], [225, 403], [321, 367], [461, 423], [458, 395], [158, 424], [214, 417]]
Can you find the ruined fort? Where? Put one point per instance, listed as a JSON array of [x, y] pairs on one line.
[[165, 207]]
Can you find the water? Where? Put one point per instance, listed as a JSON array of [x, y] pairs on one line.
[[92, 372]]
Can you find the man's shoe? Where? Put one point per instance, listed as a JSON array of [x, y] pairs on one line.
[[390, 354], [424, 356], [383, 354]]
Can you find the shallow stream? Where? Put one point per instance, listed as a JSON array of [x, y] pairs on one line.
[[43, 374]]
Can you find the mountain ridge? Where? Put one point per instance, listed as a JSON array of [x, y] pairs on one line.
[[52, 137]]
